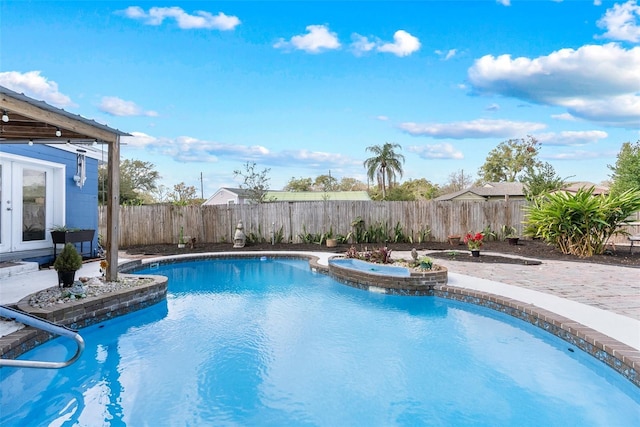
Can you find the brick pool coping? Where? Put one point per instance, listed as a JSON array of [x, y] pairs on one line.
[[81, 313], [622, 358]]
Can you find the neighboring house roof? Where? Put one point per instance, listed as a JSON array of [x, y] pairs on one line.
[[290, 196], [312, 196], [575, 186], [490, 190], [240, 192]]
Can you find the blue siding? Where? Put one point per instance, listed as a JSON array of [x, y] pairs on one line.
[[81, 204]]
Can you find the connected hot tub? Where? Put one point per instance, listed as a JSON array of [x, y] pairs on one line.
[[388, 279]]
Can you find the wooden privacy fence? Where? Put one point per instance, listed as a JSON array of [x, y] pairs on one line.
[[156, 224]]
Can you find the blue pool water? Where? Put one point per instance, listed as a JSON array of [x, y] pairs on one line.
[[371, 268], [246, 342]]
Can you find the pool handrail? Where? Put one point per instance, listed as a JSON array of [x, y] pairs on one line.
[[36, 322]]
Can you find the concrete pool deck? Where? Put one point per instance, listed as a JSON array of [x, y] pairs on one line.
[[601, 297]]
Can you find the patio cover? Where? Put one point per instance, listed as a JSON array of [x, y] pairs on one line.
[[36, 121]]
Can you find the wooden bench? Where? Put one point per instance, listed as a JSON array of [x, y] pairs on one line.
[[633, 239]]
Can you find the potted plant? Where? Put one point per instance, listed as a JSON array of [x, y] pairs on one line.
[[426, 263], [66, 264], [510, 234], [61, 235], [331, 241], [474, 243]]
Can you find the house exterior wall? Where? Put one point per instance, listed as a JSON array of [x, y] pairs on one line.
[[81, 204], [223, 197]]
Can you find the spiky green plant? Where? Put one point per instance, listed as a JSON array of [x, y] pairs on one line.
[[580, 223]]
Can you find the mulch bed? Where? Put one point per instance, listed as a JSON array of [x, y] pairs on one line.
[[533, 249]]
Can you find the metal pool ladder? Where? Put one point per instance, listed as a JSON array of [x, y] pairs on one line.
[[47, 326]]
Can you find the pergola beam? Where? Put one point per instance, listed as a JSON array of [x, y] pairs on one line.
[[44, 117]]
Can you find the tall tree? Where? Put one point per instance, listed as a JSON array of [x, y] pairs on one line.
[[541, 180], [626, 172], [298, 184], [137, 179], [384, 165], [458, 180], [510, 159], [184, 195], [351, 184], [325, 183], [256, 183], [421, 189]]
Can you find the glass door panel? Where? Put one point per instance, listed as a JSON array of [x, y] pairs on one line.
[[34, 191]]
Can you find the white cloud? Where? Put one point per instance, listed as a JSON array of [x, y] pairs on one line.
[[621, 22], [382, 118], [481, 128], [190, 150], [504, 2], [580, 155], [35, 86], [138, 140], [597, 2], [571, 138], [492, 107], [436, 151], [361, 44], [200, 19], [564, 116], [446, 55], [119, 107], [317, 39], [597, 83], [404, 44]]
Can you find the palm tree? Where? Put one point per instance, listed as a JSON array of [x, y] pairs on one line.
[[385, 163]]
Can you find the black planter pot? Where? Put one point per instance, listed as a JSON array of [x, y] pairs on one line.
[[66, 278], [475, 253], [75, 236], [513, 240]]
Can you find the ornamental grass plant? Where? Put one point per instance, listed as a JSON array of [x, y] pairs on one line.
[[580, 224]]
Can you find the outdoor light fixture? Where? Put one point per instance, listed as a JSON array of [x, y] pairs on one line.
[[31, 142], [58, 132], [5, 116]]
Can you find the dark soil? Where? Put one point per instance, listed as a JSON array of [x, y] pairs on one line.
[[532, 249]]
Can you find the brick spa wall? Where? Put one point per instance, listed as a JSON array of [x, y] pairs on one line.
[[417, 284], [82, 313]]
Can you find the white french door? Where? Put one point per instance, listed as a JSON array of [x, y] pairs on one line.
[[31, 202]]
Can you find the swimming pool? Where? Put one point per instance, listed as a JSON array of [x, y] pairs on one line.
[[250, 342]]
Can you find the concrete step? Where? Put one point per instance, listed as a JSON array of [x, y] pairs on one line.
[[13, 268]]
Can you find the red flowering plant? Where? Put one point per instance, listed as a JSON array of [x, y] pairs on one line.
[[474, 241]]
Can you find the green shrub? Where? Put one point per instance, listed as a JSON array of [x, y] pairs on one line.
[[68, 260], [581, 223]]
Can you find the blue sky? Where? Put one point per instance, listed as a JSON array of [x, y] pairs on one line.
[[304, 87]]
